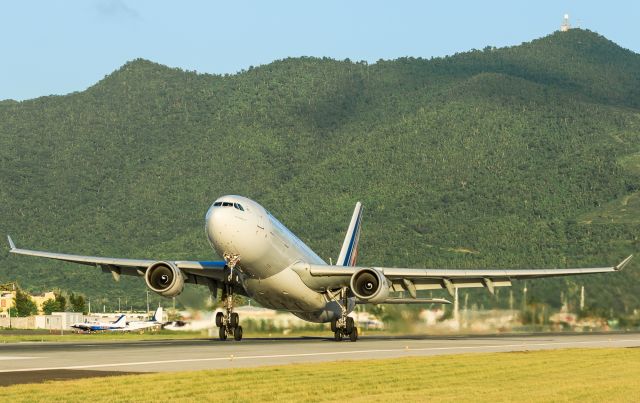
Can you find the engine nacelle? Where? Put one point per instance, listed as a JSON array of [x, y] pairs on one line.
[[370, 285], [165, 279]]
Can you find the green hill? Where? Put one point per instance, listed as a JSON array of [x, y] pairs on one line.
[[492, 158]]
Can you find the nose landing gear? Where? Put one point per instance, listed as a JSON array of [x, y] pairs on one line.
[[229, 321]]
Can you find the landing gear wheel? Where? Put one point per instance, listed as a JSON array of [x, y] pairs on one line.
[[353, 336], [337, 335], [350, 325], [234, 319], [237, 333], [334, 325], [227, 320]]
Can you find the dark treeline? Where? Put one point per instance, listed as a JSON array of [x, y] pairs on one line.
[[488, 158]]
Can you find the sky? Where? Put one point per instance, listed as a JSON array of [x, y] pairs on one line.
[[56, 47]]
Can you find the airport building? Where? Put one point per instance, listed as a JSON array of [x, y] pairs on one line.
[[7, 299]]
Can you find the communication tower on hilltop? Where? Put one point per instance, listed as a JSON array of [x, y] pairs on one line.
[[565, 24]]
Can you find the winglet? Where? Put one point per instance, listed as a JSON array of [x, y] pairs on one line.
[[620, 265], [11, 244]]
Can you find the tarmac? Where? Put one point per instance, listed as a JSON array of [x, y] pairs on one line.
[[37, 362]]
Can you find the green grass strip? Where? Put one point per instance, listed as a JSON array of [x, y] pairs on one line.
[[559, 375]]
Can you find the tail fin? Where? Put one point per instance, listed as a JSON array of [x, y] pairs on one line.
[[349, 251], [157, 315], [122, 320]]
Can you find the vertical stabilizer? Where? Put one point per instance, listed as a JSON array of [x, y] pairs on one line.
[[121, 322], [349, 252], [157, 316]]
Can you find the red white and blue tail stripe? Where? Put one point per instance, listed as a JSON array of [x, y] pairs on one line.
[[349, 251]]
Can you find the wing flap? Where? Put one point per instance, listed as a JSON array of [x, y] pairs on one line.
[[410, 301]]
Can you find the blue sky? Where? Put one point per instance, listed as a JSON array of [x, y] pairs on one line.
[[57, 47]]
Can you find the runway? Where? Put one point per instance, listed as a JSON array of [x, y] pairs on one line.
[[25, 360]]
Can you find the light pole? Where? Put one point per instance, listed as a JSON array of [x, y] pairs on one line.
[[13, 286], [119, 305]]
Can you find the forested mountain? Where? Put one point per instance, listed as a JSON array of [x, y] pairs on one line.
[[519, 157]]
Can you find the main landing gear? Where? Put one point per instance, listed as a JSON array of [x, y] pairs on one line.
[[229, 321], [344, 326]]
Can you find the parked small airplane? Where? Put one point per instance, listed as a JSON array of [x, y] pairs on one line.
[[267, 262], [119, 324]]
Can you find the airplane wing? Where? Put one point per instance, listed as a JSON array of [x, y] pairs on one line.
[[412, 280], [129, 267]]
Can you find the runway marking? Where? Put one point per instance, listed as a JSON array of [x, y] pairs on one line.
[[338, 353], [8, 357]]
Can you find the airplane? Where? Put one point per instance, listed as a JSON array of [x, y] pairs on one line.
[[265, 261], [140, 326], [119, 324]]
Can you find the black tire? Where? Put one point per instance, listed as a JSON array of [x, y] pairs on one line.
[[334, 325], [219, 319], [237, 333], [350, 325], [337, 335], [353, 336], [222, 333], [234, 320]]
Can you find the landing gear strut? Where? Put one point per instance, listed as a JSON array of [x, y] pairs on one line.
[[344, 326], [229, 321]]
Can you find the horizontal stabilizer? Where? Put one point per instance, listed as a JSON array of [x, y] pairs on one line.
[[11, 244]]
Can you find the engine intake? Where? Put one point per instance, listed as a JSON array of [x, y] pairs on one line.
[[370, 285], [165, 279]]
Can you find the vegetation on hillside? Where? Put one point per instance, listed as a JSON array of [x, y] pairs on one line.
[[488, 158]]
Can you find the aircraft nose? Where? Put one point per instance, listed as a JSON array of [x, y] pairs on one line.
[[219, 227]]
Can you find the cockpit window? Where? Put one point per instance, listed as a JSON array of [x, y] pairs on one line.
[[227, 204], [217, 204], [238, 206]]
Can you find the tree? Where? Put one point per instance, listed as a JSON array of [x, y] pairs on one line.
[[62, 302], [49, 306], [24, 304], [57, 304], [77, 303]]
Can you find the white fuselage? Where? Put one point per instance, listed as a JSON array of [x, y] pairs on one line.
[[267, 251]]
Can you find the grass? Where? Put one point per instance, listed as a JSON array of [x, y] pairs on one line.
[[558, 375]]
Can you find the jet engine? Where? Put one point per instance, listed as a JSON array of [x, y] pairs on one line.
[[165, 279], [370, 285]]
